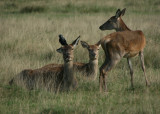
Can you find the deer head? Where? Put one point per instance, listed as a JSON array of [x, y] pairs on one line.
[[67, 49], [114, 22], [92, 49]]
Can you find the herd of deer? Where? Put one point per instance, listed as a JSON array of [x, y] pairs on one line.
[[122, 43]]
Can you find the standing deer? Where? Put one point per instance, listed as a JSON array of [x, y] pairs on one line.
[[89, 69], [57, 77], [125, 43]]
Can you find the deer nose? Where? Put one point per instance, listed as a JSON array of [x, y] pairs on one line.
[[92, 54], [100, 27], [68, 57]]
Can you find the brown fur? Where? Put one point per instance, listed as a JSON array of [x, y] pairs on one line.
[[117, 45], [127, 43], [122, 25], [54, 77], [89, 69]]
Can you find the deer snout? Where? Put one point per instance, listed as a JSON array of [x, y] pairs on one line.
[[101, 27], [93, 56], [68, 57]]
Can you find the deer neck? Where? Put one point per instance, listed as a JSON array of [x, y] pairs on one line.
[[69, 79], [93, 66], [122, 26], [68, 70]]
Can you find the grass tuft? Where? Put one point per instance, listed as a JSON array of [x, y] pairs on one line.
[[31, 9]]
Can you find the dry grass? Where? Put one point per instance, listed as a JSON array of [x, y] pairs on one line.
[[30, 40]]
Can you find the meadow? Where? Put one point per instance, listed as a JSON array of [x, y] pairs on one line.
[[29, 32]]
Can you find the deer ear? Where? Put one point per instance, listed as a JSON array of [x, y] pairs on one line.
[[84, 44], [75, 43], [98, 44], [62, 40], [118, 13], [59, 50], [123, 11]]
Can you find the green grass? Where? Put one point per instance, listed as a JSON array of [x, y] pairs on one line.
[[29, 32]]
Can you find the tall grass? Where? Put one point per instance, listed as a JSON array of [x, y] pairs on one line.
[[29, 40]]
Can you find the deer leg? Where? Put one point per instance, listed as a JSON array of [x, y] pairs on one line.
[[100, 82], [102, 76], [131, 71], [143, 67], [104, 82], [103, 85], [104, 70]]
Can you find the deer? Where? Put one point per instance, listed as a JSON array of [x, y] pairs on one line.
[[89, 69], [58, 78], [124, 43]]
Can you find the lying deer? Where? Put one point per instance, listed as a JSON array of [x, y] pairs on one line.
[[89, 69], [117, 45], [57, 77]]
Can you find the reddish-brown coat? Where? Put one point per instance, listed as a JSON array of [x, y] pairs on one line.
[[127, 43], [53, 76]]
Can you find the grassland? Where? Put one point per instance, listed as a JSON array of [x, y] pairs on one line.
[[29, 32]]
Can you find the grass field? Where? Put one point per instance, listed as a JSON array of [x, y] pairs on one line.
[[29, 32]]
